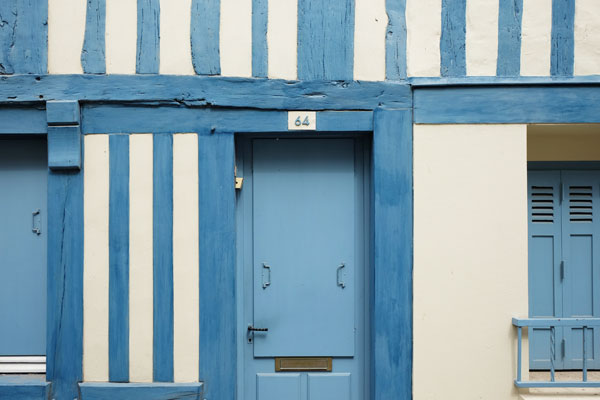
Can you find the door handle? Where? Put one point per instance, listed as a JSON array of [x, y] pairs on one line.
[[340, 282], [268, 281], [35, 229], [253, 329]]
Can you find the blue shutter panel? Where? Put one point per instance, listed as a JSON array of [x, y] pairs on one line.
[[545, 294]]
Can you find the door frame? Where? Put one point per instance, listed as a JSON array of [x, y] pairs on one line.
[[243, 145]]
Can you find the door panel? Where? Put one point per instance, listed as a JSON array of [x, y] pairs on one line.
[[23, 177], [278, 386], [329, 387], [304, 247]]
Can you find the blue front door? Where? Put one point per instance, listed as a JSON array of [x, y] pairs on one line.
[[564, 265], [23, 174], [305, 267]]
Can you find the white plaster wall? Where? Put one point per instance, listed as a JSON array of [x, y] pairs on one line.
[[121, 36], [282, 39], [587, 37], [424, 30], [536, 37], [482, 37], [235, 37], [66, 28], [175, 42], [470, 259], [369, 40]]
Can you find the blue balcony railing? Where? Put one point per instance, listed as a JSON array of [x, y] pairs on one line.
[[552, 324]]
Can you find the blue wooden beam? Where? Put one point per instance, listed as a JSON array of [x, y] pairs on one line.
[[392, 299], [148, 37], [205, 36], [507, 104], [510, 19], [562, 55], [453, 39], [93, 52], [23, 37], [64, 135], [207, 91], [24, 387], [23, 120], [139, 391], [260, 11], [395, 40]]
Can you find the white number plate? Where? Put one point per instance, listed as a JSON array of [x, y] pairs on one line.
[[302, 120]]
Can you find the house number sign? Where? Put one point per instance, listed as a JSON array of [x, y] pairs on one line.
[[302, 120]]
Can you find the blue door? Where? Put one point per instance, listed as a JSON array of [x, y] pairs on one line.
[[564, 265], [304, 268], [23, 176]]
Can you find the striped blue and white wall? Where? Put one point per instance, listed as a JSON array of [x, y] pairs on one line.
[[303, 39]]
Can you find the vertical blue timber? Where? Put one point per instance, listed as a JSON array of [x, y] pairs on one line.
[[260, 17], [23, 37], [64, 349], [395, 40], [118, 323], [206, 16], [562, 55], [93, 53], [392, 296], [325, 40], [148, 37], [163, 257], [217, 264], [452, 43], [510, 21]]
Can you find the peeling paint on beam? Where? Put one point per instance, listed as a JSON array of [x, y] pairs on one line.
[[204, 91]]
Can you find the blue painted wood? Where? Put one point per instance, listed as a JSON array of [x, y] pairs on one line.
[[16, 120], [544, 276], [562, 55], [163, 257], [65, 112], [65, 283], [118, 305], [64, 147], [453, 39], [580, 250], [23, 37], [93, 52], [145, 391], [116, 119], [589, 80], [279, 386], [325, 39], [334, 386], [310, 185], [24, 387], [557, 384], [510, 19], [205, 36], [23, 177], [472, 105], [391, 313], [545, 322], [204, 91], [148, 37], [217, 364], [395, 40], [259, 38]]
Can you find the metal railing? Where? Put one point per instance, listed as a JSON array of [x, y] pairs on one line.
[[552, 324]]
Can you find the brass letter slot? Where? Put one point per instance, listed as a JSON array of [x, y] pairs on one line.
[[289, 364]]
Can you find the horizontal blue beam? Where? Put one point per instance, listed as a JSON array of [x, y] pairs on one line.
[[556, 384], [145, 391], [507, 104], [417, 82], [24, 387], [119, 119], [548, 322], [31, 120], [207, 91]]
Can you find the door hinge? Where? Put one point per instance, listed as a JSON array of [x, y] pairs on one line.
[[239, 181], [562, 270]]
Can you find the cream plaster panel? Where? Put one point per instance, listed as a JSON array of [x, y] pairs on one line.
[[282, 39], [536, 38], [424, 30], [141, 311], [66, 30], [235, 37], [587, 37], [369, 40], [482, 37], [175, 43], [563, 142], [121, 36], [470, 259], [186, 297], [95, 258]]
